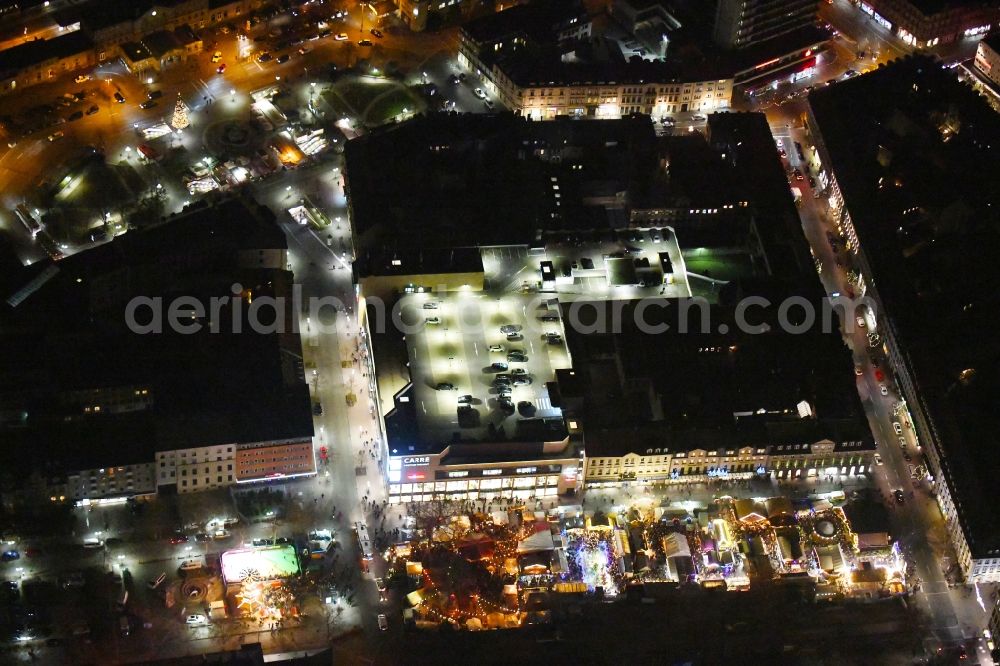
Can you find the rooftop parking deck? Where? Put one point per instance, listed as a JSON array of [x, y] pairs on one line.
[[452, 341]]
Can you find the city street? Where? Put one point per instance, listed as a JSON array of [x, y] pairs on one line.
[[956, 616]]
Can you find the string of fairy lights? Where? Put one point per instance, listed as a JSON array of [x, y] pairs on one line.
[[595, 553]]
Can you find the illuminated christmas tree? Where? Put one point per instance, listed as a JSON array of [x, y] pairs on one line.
[[180, 119]]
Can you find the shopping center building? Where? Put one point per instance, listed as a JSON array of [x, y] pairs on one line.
[[658, 406], [587, 215]]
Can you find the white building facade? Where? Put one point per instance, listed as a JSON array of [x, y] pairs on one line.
[[196, 469]]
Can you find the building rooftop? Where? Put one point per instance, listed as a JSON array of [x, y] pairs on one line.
[[705, 388], [531, 69], [746, 141], [867, 515], [384, 261], [71, 351], [136, 51], [162, 42], [413, 358], [929, 7], [100, 14], [28, 54], [917, 166], [539, 21], [992, 40], [459, 181]]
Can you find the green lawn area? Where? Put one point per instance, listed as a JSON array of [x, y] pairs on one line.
[[724, 267], [359, 91], [377, 100], [390, 106]]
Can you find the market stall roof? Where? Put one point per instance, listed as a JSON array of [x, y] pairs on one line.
[[540, 540], [416, 597], [676, 545], [747, 509]]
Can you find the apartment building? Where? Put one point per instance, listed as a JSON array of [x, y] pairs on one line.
[[109, 485], [546, 64], [113, 22], [911, 183], [655, 89], [274, 460], [744, 23], [108, 412], [194, 469], [147, 34], [39, 61], [987, 59]]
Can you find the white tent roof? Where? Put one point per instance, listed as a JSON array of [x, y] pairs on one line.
[[536, 542], [676, 545]]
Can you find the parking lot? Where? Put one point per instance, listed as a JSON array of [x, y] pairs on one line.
[[455, 340]]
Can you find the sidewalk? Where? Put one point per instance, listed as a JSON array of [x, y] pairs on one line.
[[366, 448]]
